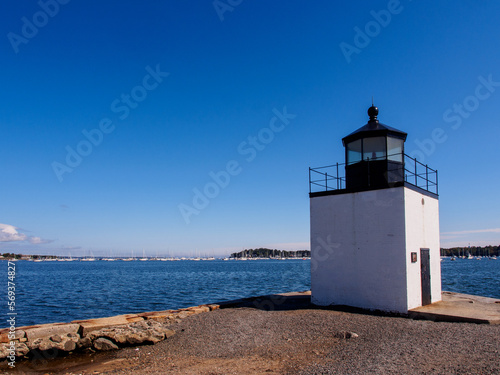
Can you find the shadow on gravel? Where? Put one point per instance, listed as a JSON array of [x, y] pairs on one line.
[[279, 302]]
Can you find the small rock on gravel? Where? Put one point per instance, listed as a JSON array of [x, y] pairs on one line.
[[346, 335]]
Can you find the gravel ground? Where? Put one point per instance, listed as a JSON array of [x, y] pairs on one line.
[[307, 340]]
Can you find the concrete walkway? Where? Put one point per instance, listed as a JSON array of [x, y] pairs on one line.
[[456, 307]]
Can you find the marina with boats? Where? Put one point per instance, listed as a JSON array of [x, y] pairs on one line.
[[249, 254], [453, 254]]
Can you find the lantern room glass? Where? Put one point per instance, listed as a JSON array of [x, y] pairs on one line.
[[354, 152], [374, 148], [395, 149]]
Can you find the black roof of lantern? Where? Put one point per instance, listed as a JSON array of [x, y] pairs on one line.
[[374, 129]]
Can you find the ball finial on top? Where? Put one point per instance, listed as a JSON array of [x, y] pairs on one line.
[[373, 112]]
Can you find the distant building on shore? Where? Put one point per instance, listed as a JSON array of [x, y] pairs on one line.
[[375, 225]]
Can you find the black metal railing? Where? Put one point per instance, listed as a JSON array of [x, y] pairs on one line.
[[421, 175], [333, 177]]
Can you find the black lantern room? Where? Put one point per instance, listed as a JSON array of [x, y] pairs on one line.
[[374, 156]]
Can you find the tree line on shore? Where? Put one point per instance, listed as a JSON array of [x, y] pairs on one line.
[[486, 251], [271, 253], [11, 256], [274, 253], [23, 256]]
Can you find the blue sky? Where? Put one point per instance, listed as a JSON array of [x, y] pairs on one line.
[[169, 94]]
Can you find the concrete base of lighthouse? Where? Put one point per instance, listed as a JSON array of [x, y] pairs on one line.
[[376, 249]]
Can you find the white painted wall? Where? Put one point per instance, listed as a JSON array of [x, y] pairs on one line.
[[361, 245], [358, 250], [422, 231]]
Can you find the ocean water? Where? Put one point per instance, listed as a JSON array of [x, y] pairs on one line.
[[49, 292], [471, 276]]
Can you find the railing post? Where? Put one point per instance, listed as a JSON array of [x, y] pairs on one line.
[[416, 183], [326, 181], [437, 192], [427, 176], [338, 176]]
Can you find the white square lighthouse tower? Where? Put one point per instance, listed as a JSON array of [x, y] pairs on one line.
[[375, 225]]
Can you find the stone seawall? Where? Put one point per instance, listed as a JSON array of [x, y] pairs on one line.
[[96, 334]]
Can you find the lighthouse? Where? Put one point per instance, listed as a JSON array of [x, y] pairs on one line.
[[375, 225]]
